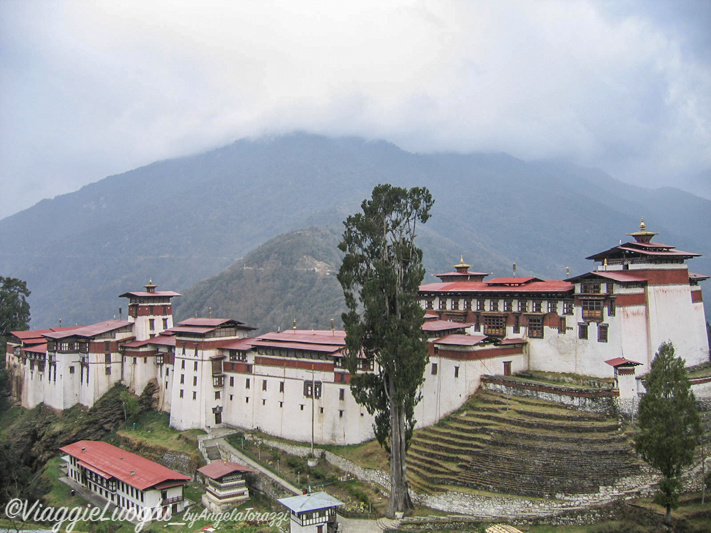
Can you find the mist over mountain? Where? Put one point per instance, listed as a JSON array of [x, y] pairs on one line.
[[184, 220]]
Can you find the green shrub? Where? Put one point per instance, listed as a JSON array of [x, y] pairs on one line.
[[318, 474], [296, 463], [358, 493]]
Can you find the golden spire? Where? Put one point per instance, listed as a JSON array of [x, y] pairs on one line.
[[462, 266], [643, 235]]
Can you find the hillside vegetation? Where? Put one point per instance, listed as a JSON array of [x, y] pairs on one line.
[[183, 220], [291, 277]]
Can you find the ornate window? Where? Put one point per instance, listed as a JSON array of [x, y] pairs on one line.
[[535, 327], [495, 325], [592, 309]]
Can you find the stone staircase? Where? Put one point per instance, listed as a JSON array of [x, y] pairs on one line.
[[520, 446]]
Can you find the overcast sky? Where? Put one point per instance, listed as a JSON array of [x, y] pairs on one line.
[[93, 88]]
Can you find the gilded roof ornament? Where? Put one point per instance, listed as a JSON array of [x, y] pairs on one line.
[[643, 235]]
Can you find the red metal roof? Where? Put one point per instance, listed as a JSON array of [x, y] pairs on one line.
[[442, 325], [207, 322], [652, 245], [621, 277], [94, 469], [458, 339], [191, 329], [647, 249], [328, 348], [484, 287], [145, 294], [90, 331], [511, 281], [467, 273], [160, 341], [218, 469], [239, 344], [38, 348], [36, 335], [697, 277], [621, 361], [327, 336], [125, 466], [662, 252]]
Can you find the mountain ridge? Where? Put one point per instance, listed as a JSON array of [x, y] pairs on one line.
[[183, 220]]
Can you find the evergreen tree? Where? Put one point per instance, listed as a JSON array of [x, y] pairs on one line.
[[380, 275], [14, 308], [669, 424], [14, 316]]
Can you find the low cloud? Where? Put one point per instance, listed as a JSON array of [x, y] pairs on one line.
[[91, 89]]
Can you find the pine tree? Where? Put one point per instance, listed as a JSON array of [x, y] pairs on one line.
[[380, 275], [669, 424]]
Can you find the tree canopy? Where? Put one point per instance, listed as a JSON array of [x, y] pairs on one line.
[[14, 308], [669, 424], [380, 275]]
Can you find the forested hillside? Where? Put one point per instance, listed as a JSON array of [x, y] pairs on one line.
[[183, 220]]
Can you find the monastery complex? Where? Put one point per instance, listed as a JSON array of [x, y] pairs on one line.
[[607, 323]]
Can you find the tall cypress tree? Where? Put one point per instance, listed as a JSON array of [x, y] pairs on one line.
[[380, 275], [669, 424]]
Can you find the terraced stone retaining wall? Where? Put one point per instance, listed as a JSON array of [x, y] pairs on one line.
[[371, 475], [584, 398]]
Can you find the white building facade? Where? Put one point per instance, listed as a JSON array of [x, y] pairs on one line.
[[293, 384], [127, 480]]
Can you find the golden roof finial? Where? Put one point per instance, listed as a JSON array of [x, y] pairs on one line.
[[643, 235], [462, 267]]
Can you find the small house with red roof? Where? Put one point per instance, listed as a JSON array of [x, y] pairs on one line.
[[226, 485], [125, 479]]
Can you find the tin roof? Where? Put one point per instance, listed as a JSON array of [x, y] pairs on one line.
[[37, 348], [239, 344], [532, 285], [621, 361], [328, 348], [90, 331], [128, 467], [208, 322], [457, 339], [310, 502], [465, 274], [145, 294], [643, 249], [35, 336], [159, 340], [620, 277], [327, 336], [442, 325], [217, 469]]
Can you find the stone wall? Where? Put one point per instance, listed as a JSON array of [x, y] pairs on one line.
[[179, 462], [507, 507], [585, 399], [367, 474]]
